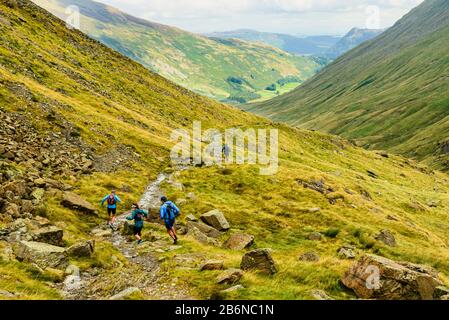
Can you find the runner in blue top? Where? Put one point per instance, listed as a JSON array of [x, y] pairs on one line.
[[169, 211], [112, 200]]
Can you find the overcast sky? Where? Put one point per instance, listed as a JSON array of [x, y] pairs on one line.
[[302, 17]]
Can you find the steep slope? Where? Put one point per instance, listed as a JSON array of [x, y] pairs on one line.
[[352, 39], [223, 69], [313, 45], [390, 92], [77, 116]]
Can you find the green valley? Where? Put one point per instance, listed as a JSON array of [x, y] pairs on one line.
[[206, 66], [389, 93], [78, 119]]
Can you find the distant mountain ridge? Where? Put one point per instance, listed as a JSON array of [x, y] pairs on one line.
[[351, 40], [312, 45], [206, 66]]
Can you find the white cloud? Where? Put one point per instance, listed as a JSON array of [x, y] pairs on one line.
[[212, 15]]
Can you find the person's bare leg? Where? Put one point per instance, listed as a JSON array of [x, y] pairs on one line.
[[174, 232], [170, 233]]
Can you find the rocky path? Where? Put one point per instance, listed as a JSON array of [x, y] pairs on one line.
[[142, 274]]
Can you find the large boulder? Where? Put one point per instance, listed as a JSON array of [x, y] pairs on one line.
[[51, 235], [204, 228], [374, 277], [216, 219], [73, 201], [43, 255], [82, 249], [212, 265], [260, 260], [194, 231], [310, 256], [239, 241]]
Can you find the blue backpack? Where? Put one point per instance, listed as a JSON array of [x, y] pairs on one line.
[[171, 211]]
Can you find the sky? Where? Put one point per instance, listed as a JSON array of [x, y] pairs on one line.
[[297, 17]]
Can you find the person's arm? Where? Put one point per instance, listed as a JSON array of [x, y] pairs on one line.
[[118, 199], [104, 199], [132, 216], [176, 208], [162, 212]]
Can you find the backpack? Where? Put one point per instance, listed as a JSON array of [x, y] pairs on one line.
[[111, 200], [139, 215], [171, 211]]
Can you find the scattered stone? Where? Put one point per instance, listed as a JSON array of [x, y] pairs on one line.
[[346, 252], [230, 276], [374, 277], [102, 233], [260, 260], [191, 217], [310, 257], [386, 237], [37, 195], [315, 236], [372, 174], [51, 235], [392, 218], [320, 295], [233, 289], [314, 210], [239, 241], [440, 292], [82, 249], [433, 204], [216, 219], [212, 265], [128, 294], [42, 254], [73, 201]]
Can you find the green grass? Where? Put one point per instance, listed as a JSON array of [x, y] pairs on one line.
[[114, 102], [389, 93], [193, 61]]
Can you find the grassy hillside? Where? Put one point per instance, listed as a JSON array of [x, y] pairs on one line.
[[58, 85], [228, 70], [389, 93]]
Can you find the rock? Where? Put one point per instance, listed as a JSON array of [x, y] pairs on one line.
[[41, 222], [440, 292], [37, 195], [230, 276], [27, 206], [128, 294], [315, 236], [82, 249], [102, 233], [51, 235], [372, 174], [40, 182], [260, 260], [374, 277], [43, 254], [191, 217], [310, 257], [216, 219], [233, 289], [205, 229], [320, 295], [386, 237], [346, 252], [73, 201], [196, 233], [17, 187], [212, 265], [239, 241], [12, 209], [6, 294]]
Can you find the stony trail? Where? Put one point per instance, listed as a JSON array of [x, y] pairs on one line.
[[143, 269]]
